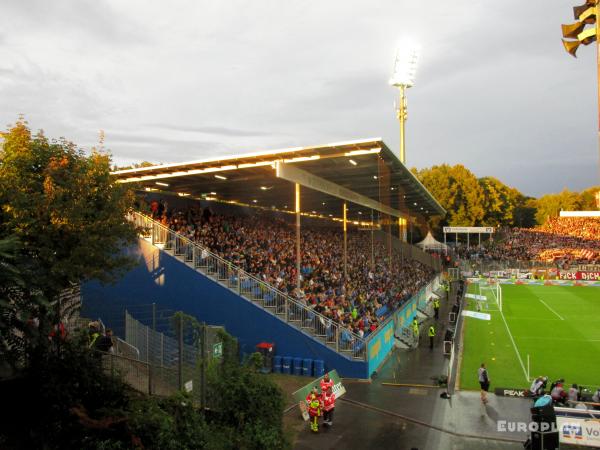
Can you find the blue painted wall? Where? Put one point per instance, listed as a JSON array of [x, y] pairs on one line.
[[160, 278], [381, 343]]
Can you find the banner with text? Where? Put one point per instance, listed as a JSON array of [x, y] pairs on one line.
[[586, 276], [483, 230]]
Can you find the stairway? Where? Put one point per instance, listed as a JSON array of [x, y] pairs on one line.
[[251, 288]]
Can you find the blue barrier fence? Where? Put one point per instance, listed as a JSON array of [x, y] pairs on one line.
[[381, 343]]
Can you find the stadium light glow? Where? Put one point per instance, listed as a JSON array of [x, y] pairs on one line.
[[403, 77], [213, 193], [220, 177], [351, 161], [363, 152], [160, 183], [405, 64]]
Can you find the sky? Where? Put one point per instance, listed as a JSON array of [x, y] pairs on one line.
[[182, 80]]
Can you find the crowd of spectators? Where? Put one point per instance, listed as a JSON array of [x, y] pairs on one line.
[[562, 240], [265, 246]]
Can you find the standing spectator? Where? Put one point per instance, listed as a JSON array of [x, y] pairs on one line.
[[93, 333], [484, 382], [328, 406], [326, 384], [154, 209], [431, 336], [105, 343], [415, 328], [436, 309]]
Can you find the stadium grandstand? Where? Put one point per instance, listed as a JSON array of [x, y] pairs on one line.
[[305, 248], [560, 242]]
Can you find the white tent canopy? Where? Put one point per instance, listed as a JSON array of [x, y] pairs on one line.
[[430, 243]]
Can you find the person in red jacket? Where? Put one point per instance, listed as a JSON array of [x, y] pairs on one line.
[[314, 392], [326, 383], [328, 407], [314, 411]]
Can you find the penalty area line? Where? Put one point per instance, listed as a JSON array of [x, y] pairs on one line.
[[551, 310]]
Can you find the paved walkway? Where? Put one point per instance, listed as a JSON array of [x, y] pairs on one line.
[[376, 415]]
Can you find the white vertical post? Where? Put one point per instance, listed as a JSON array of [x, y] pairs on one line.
[[528, 378]]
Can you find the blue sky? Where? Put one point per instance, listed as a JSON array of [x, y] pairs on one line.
[[183, 80]]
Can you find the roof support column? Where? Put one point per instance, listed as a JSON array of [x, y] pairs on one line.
[[372, 244], [298, 256], [345, 244]]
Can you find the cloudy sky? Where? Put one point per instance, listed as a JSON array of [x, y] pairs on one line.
[[180, 80]]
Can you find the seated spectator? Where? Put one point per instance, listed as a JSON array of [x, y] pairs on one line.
[[264, 246]]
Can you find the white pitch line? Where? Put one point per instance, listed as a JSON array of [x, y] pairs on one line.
[[514, 346], [511, 340], [546, 338], [551, 310]]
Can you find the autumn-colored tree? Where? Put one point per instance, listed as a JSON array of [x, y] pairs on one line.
[[550, 205], [588, 199], [67, 213], [500, 202], [458, 191]]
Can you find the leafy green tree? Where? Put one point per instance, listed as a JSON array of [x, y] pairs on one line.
[[458, 191], [500, 202], [588, 199], [550, 205], [250, 406], [11, 284], [524, 213], [67, 212]]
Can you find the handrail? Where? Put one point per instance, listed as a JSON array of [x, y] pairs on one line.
[[121, 342], [358, 344]]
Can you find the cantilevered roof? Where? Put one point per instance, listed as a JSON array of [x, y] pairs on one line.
[[366, 167]]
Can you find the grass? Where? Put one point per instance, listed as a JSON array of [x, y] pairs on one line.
[[557, 326]]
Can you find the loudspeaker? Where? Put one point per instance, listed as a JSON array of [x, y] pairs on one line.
[[544, 414], [544, 441]]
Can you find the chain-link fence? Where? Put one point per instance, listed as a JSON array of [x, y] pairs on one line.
[[175, 360], [163, 362]]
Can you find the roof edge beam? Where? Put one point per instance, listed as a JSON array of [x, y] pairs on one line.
[[296, 175]]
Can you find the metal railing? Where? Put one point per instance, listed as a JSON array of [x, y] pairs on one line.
[[488, 265], [292, 311]]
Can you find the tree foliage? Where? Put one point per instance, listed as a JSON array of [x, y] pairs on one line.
[[458, 191], [67, 213], [489, 202], [500, 202], [550, 205]]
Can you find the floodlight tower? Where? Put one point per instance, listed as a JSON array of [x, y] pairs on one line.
[[403, 77]]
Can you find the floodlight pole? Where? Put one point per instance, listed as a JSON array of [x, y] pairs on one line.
[[597, 10], [345, 244], [401, 113]]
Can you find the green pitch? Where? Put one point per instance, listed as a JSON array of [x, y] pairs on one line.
[[558, 327]]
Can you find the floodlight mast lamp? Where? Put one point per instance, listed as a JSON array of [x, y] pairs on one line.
[[577, 34], [403, 77]]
